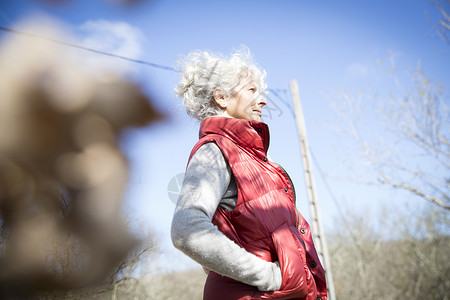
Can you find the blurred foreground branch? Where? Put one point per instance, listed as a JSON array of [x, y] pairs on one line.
[[62, 174]]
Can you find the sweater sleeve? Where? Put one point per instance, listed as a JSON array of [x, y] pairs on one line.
[[206, 181]]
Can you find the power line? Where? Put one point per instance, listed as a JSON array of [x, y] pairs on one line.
[[143, 62], [282, 99], [159, 66], [327, 186]]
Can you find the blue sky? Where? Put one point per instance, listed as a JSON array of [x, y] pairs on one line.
[[325, 45]]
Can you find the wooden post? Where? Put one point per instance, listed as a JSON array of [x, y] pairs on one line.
[[316, 225]]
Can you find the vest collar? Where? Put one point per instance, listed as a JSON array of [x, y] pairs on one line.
[[252, 135]]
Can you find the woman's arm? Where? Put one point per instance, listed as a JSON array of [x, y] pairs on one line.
[[206, 180]]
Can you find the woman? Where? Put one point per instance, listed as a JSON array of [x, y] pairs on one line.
[[236, 212]]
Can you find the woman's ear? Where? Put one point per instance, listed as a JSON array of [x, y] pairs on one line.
[[220, 98]]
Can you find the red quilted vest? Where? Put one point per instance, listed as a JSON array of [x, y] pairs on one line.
[[265, 221]]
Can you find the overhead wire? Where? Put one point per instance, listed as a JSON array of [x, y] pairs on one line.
[[327, 186], [138, 61], [276, 93]]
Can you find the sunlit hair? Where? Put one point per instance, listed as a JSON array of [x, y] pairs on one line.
[[202, 72]]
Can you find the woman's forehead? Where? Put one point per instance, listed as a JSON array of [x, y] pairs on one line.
[[247, 79]]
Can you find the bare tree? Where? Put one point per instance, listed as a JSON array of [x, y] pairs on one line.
[[442, 26], [407, 144], [401, 137]]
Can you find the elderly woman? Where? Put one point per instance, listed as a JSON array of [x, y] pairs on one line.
[[236, 212]]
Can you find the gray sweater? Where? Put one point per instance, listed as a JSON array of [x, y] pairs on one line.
[[209, 183]]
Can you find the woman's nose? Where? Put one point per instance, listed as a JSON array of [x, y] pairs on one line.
[[261, 101]]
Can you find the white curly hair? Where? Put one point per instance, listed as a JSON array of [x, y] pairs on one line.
[[203, 72]]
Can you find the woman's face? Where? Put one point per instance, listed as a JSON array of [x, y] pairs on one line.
[[246, 101]]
